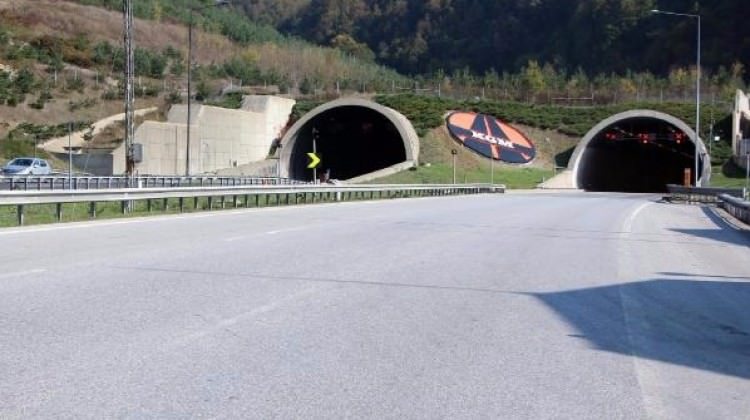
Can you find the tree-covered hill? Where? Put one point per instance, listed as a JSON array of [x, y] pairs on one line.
[[598, 36]]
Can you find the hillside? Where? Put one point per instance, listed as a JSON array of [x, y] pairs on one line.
[[599, 37], [62, 61]]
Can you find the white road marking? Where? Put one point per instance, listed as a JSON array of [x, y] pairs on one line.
[[224, 324], [23, 273], [274, 232], [271, 232], [628, 226]]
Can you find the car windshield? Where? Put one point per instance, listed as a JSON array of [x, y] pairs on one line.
[[21, 162]]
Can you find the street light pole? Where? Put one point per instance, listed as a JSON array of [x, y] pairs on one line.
[[216, 3], [697, 84], [189, 94]]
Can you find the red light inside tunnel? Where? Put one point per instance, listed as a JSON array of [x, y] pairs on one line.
[[643, 138], [678, 137]]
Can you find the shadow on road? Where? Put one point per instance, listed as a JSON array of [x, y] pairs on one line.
[[700, 324], [721, 232]]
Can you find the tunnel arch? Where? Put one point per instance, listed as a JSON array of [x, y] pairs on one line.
[[355, 137], [626, 166]]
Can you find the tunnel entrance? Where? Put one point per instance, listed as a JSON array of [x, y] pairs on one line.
[[352, 141], [638, 151], [354, 138]]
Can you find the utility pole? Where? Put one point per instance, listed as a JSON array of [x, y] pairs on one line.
[[129, 95], [193, 10], [189, 93], [70, 155]]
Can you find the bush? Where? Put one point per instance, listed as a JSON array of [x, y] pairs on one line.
[[173, 97], [24, 81], [42, 100], [112, 94], [75, 83], [82, 104], [231, 101]]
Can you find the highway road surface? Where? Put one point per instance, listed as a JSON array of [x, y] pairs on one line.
[[528, 306]]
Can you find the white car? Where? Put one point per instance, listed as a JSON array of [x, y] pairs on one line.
[[27, 166]]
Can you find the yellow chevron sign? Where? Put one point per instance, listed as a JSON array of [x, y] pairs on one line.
[[314, 161]]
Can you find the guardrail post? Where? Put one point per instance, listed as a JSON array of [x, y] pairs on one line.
[[195, 203], [148, 205], [182, 204], [223, 201], [210, 202], [234, 201], [19, 213], [124, 206], [92, 210], [58, 211], [257, 200]]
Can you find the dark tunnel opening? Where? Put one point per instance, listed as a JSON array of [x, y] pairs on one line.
[[637, 155], [351, 141]]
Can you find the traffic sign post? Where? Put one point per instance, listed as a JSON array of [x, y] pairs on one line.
[[314, 159], [312, 163], [454, 152]]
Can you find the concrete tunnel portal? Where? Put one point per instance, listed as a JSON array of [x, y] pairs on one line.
[[354, 137], [637, 151]]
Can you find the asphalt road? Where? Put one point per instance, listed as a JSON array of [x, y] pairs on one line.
[[533, 306]]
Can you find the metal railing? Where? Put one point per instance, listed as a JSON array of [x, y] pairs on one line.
[[63, 182], [735, 206], [703, 195], [241, 196]]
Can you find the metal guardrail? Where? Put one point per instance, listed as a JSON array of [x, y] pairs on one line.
[[703, 195], [737, 207], [281, 194], [78, 182]]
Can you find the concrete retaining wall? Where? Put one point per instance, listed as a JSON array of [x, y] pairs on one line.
[[219, 138]]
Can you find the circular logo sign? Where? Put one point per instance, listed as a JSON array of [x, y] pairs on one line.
[[490, 137]]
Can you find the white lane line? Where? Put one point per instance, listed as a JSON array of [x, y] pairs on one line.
[[224, 324], [628, 226], [271, 232], [23, 273], [275, 232]]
